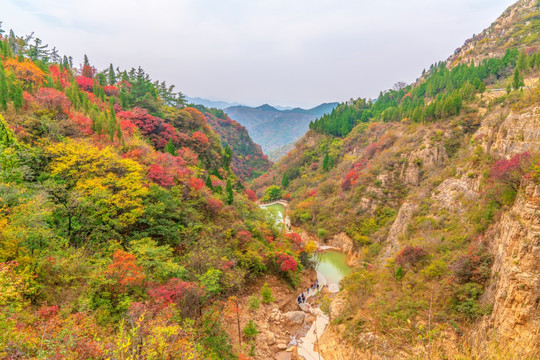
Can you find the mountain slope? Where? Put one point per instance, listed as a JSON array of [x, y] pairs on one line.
[[248, 160], [124, 232], [433, 190], [273, 128]]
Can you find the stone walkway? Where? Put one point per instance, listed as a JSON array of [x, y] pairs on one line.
[[307, 343]]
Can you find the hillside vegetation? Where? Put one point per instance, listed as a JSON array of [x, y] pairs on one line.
[[433, 189], [124, 230]]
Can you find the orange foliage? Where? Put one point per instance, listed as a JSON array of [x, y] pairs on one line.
[[26, 71], [125, 270]]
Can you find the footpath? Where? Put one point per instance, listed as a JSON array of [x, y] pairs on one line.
[[306, 344]]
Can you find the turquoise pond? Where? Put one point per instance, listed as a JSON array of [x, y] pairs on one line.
[[277, 210], [332, 265]]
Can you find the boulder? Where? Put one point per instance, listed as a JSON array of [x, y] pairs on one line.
[[296, 317]]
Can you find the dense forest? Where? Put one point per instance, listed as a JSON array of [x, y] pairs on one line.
[[439, 94], [124, 230]]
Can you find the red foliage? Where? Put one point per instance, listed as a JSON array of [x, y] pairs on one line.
[[196, 183], [128, 128], [111, 90], [85, 83], [158, 131], [59, 76], [188, 155], [410, 255], [28, 99], [88, 71], [311, 193], [124, 269], [200, 141], [474, 266], [196, 115], [173, 291], [296, 238], [244, 236], [213, 205], [251, 195], [350, 180], [157, 174], [287, 197], [287, 263], [510, 171], [371, 149], [52, 99], [46, 312], [83, 123]]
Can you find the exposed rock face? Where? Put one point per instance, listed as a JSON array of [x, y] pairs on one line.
[[519, 132], [404, 215], [343, 242], [427, 157], [451, 191], [516, 272]]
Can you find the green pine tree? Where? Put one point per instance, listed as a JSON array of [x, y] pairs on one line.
[[285, 180], [170, 148], [522, 61], [18, 99], [518, 79], [229, 192], [112, 75], [227, 157], [4, 95], [209, 183]]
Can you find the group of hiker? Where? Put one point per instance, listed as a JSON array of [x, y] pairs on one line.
[[302, 298]]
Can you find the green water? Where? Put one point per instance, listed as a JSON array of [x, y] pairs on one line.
[[333, 265], [277, 210]]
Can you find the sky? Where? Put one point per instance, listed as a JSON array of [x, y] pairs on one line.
[[281, 52]]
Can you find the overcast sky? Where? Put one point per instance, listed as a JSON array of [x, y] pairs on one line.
[[282, 52]]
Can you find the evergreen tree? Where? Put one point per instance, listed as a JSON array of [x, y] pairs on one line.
[[522, 61], [327, 162], [229, 192], [227, 157], [4, 95], [209, 183], [170, 148], [18, 99], [112, 75], [285, 180], [85, 61], [518, 79]]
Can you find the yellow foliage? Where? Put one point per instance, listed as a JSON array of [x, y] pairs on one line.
[[310, 247], [26, 71], [113, 185]]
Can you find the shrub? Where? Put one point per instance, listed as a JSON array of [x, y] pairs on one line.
[[254, 302], [266, 294], [474, 266], [510, 171], [465, 300], [250, 330], [411, 256], [435, 269], [321, 233]]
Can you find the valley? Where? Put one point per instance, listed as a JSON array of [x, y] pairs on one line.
[[136, 223]]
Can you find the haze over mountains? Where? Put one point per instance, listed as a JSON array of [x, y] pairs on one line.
[[274, 129]]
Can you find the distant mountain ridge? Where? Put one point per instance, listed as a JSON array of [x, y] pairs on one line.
[[210, 103], [273, 128]]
